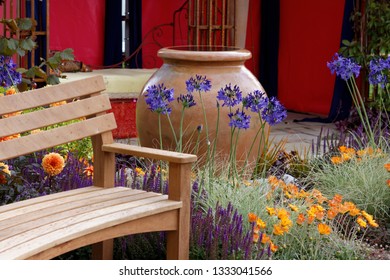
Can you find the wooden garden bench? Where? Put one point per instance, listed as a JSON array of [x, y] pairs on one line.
[[47, 226]]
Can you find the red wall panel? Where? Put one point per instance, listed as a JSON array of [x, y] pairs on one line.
[[78, 24], [309, 36]]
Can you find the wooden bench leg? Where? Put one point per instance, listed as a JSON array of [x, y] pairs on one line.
[[103, 250], [180, 189], [178, 245]]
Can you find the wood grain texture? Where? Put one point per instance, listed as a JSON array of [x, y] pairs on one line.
[[47, 226]]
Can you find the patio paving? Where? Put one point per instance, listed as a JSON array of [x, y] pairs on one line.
[[300, 136]]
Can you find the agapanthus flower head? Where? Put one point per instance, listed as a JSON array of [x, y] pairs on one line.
[[230, 96], [187, 100], [343, 67], [8, 75], [255, 101], [158, 98], [274, 112], [378, 74], [53, 163], [239, 120], [199, 84]]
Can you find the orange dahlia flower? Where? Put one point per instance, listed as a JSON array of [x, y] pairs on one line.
[[53, 164]]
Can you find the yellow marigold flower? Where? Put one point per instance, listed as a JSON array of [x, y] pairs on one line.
[[361, 222], [320, 215], [88, 170], [366, 152], [324, 229], [310, 219], [10, 91], [312, 212], [319, 196], [278, 229], [273, 247], [271, 211], [286, 223], [388, 183], [53, 164], [265, 238], [139, 171], [35, 131], [293, 189], [346, 150], [301, 219], [260, 223], [303, 194], [367, 216], [10, 137], [282, 213], [55, 104], [4, 168], [255, 237], [387, 166], [373, 223], [331, 213], [252, 217], [273, 181], [343, 209], [346, 156], [293, 207], [354, 212], [287, 194], [336, 160], [342, 149]]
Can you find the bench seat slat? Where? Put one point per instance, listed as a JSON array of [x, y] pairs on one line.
[[61, 210], [24, 213], [51, 94], [54, 137], [54, 115], [58, 228]]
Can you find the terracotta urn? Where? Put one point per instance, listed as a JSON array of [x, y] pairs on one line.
[[222, 66]]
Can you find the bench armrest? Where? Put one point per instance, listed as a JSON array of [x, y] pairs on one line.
[[151, 153]]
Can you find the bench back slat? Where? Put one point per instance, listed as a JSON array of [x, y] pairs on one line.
[[51, 94], [85, 105], [57, 136], [54, 115]]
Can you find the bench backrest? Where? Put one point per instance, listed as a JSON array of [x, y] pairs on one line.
[[84, 103]]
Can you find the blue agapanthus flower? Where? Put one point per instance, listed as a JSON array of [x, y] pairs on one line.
[[199, 84], [239, 120], [344, 67], [256, 101], [230, 96], [158, 98], [274, 112], [8, 75], [378, 74], [187, 100]]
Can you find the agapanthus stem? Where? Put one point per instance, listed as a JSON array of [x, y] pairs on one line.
[[173, 130], [360, 107], [253, 143], [215, 141], [161, 147], [180, 148]]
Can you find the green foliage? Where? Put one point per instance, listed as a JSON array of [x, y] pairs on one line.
[[372, 30], [53, 63], [362, 181], [9, 45]]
